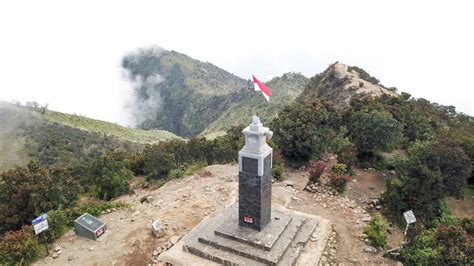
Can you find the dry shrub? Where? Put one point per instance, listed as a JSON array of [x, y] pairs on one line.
[[316, 169]]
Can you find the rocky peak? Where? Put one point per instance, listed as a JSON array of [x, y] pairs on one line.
[[339, 83]]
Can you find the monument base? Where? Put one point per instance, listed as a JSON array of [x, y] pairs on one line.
[[290, 238]]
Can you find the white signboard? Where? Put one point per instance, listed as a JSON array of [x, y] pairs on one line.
[[40, 223], [409, 217]]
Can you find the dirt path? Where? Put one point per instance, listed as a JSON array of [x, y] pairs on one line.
[[182, 204], [347, 214]]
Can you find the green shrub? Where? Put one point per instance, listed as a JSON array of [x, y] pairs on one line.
[[341, 169], [59, 222], [19, 247], [443, 245], [302, 131], [195, 166], [94, 207], [376, 231], [176, 173], [26, 191], [375, 130], [278, 166], [109, 176]]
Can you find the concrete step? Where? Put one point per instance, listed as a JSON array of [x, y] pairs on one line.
[[219, 256], [296, 247], [271, 257]]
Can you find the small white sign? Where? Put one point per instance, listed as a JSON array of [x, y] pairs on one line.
[[40, 224], [409, 217]]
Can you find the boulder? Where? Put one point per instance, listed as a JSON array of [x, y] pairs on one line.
[[157, 228]]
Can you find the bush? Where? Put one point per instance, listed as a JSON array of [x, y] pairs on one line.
[[419, 186], [339, 181], [59, 222], [19, 247], [316, 169], [302, 131], [427, 175], [443, 245], [341, 169], [176, 173], [26, 191], [375, 130], [376, 231], [341, 145], [278, 165], [454, 165], [109, 176]]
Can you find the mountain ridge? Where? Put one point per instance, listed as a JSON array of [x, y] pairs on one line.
[[190, 95]]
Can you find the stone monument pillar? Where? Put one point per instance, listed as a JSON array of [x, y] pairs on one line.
[[255, 177]]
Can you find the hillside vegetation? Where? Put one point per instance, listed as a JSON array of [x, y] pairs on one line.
[[110, 129], [185, 96]]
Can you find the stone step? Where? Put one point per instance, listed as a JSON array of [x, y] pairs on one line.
[[297, 246], [219, 256], [271, 257]]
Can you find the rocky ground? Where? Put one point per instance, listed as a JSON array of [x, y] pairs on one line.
[[181, 204]]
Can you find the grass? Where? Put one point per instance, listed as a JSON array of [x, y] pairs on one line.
[[123, 133]]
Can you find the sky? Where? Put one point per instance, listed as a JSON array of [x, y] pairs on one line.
[[68, 53]]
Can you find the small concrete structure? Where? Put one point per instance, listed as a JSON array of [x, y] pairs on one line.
[[89, 227], [251, 232]]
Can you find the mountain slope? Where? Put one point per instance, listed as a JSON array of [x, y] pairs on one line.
[[57, 138], [339, 83], [111, 129], [185, 96], [284, 90]]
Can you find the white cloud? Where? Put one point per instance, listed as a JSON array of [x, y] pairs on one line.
[[68, 54]]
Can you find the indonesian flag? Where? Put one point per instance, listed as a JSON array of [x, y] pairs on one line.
[[259, 86]]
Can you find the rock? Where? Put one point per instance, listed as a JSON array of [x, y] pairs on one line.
[[324, 259], [288, 183], [56, 248], [91, 248], [384, 174], [370, 250], [378, 207], [353, 260], [150, 199], [155, 253], [55, 255], [174, 239], [157, 228], [133, 219], [59, 252], [392, 172], [390, 230], [70, 258]]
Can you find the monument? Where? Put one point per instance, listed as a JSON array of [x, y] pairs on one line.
[[255, 177], [251, 232]]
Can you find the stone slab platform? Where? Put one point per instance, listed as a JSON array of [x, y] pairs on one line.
[[291, 248], [264, 239]]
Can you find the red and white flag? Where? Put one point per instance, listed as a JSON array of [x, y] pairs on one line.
[[259, 86]]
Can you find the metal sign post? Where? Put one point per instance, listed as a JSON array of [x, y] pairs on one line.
[[40, 224], [410, 219]]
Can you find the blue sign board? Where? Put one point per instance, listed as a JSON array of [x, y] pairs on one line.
[[40, 218]]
